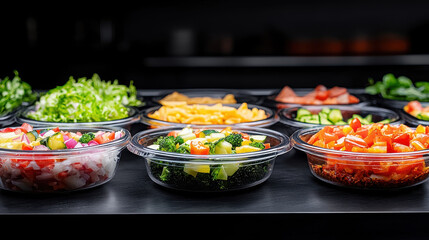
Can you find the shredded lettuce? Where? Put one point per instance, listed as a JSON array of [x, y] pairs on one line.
[[14, 92], [86, 100]]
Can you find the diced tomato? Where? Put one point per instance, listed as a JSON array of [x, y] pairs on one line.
[[355, 124], [329, 137], [105, 137], [173, 133], [398, 147], [322, 95], [267, 145], [384, 141], [352, 141], [414, 106], [245, 136], [199, 148], [6, 130], [363, 132], [402, 138], [27, 127], [27, 147]]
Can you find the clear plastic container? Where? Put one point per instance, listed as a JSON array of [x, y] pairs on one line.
[[369, 171], [271, 119], [36, 171], [134, 117], [287, 115], [194, 172]]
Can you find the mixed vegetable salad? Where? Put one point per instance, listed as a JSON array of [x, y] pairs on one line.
[[86, 100], [399, 88], [221, 176], [415, 108], [373, 138], [13, 93], [55, 172], [328, 116]]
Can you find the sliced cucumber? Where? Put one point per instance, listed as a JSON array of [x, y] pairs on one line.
[[302, 112], [56, 141], [335, 116]]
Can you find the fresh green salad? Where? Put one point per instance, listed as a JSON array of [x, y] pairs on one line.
[[14, 92], [329, 116], [399, 88], [86, 100]]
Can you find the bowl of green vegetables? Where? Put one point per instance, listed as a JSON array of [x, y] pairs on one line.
[[209, 159], [298, 117], [14, 94], [395, 92], [85, 102]]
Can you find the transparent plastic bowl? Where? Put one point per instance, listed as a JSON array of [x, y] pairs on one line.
[[134, 117], [271, 119], [194, 172], [378, 171], [288, 115], [61, 170]]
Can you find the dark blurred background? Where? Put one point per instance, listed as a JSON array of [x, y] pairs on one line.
[[216, 44]]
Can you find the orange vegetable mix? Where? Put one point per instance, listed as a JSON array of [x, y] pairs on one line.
[[371, 170]]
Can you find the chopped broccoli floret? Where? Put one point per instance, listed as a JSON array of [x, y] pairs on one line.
[[212, 146], [257, 144], [167, 144], [179, 140], [87, 137], [235, 139]]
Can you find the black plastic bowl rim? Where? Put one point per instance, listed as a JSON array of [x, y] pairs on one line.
[[133, 112], [270, 120]]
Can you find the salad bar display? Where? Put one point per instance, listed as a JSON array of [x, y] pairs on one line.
[[233, 158]]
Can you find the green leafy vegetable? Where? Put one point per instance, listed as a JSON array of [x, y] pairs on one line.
[[14, 92], [86, 100], [400, 88], [87, 137]]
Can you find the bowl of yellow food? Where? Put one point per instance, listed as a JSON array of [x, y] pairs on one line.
[[181, 114]]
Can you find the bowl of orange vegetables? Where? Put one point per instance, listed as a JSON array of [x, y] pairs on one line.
[[375, 156]]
